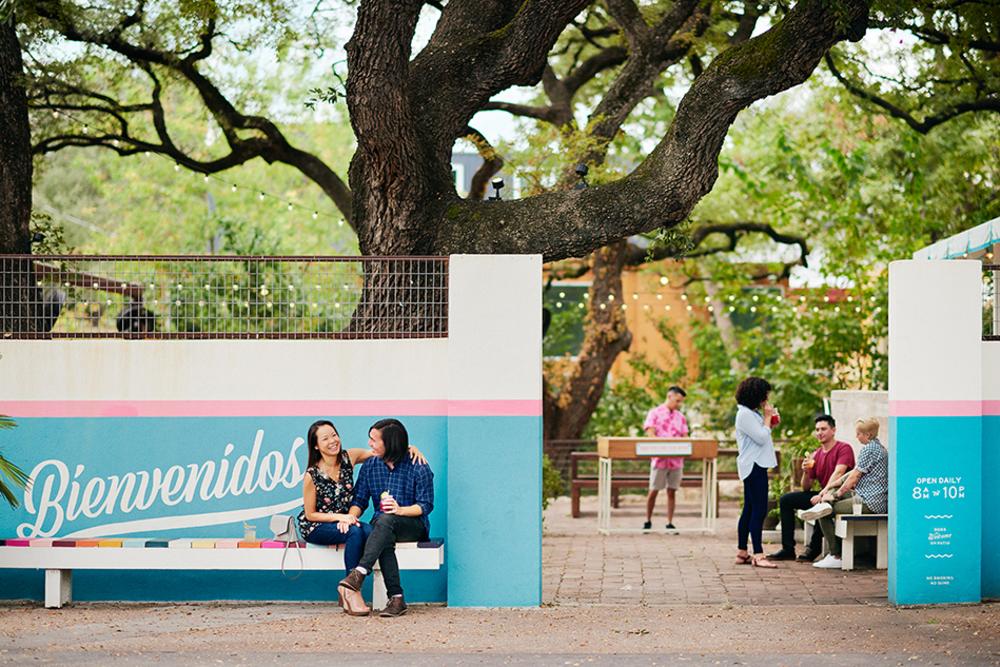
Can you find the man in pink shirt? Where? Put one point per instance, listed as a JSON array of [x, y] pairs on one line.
[[665, 421]]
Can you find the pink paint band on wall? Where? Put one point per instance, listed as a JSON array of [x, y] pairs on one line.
[[400, 408], [942, 408]]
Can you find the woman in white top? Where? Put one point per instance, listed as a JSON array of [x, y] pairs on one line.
[[754, 417]]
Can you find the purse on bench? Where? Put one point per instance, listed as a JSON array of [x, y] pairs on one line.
[[285, 530]]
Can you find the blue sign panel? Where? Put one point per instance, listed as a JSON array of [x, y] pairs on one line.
[[935, 506]]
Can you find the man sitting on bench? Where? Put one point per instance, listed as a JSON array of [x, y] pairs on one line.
[[869, 481], [826, 464]]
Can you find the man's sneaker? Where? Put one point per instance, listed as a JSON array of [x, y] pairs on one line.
[[395, 607], [817, 511], [782, 554], [648, 525], [830, 562], [807, 556], [670, 526]]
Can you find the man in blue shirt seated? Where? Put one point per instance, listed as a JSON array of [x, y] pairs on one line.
[[403, 496]]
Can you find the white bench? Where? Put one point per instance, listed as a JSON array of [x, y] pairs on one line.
[[60, 561], [849, 526]]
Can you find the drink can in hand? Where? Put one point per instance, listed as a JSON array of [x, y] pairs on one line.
[[775, 418]]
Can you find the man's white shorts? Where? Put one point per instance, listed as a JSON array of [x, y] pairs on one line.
[[665, 478]]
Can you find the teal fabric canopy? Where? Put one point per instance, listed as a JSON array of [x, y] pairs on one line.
[[971, 243]]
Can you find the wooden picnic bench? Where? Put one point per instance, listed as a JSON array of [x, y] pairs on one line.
[[624, 480]]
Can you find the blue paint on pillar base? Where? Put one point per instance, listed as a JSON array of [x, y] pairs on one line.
[[991, 516], [494, 545], [935, 510]]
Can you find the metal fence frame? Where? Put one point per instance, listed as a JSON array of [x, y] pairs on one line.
[[47, 266]]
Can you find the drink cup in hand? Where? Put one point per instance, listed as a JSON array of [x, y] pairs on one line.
[[387, 501], [775, 417]]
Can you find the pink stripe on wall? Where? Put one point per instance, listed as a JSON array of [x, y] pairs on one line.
[[400, 408], [938, 408], [991, 408]]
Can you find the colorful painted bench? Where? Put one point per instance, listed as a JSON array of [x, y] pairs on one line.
[[59, 557]]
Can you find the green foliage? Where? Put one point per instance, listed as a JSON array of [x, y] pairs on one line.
[[11, 476], [624, 405], [553, 484], [863, 192]]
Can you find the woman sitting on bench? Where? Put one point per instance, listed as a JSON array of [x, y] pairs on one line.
[[328, 491], [869, 481]]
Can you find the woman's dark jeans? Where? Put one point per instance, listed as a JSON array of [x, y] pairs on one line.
[[353, 540], [754, 509]]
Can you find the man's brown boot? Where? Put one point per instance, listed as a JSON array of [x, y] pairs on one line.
[[396, 607], [353, 580]]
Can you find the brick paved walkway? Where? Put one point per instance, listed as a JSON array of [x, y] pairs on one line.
[[581, 567]]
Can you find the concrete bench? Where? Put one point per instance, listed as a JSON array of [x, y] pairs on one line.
[[59, 557], [849, 526]]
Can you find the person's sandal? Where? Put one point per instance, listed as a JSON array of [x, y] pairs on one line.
[[743, 560], [760, 560]]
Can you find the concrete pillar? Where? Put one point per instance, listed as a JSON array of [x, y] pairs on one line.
[[494, 542], [935, 408]]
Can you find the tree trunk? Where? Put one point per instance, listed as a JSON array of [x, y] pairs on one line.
[[19, 295], [567, 407]]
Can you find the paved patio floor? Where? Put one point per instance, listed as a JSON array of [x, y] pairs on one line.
[[658, 569]]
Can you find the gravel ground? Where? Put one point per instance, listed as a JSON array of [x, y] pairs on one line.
[[265, 633]]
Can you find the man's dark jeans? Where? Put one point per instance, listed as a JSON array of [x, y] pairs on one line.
[[387, 529], [797, 500]]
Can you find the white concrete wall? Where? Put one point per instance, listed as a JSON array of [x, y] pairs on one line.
[[991, 371], [192, 370], [494, 346], [929, 304], [847, 407]]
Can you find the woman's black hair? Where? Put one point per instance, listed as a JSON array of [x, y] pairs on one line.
[[395, 438], [752, 392], [312, 441]]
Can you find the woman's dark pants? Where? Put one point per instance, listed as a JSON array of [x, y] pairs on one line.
[[754, 510]]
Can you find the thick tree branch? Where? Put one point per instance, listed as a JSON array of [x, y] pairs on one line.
[[637, 255], [681, 169], [922, 126], [269, 143]]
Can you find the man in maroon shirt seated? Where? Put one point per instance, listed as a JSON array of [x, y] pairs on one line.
[[826, 464]]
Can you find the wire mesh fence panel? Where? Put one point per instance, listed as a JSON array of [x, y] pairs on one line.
[[87, 296], [991, 302]]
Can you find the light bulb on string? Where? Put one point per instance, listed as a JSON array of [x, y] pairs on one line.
[[315, 215], [289, 206], [233, 188], [260, 196]]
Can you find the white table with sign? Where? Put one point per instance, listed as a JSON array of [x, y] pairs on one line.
[[611, 448]]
